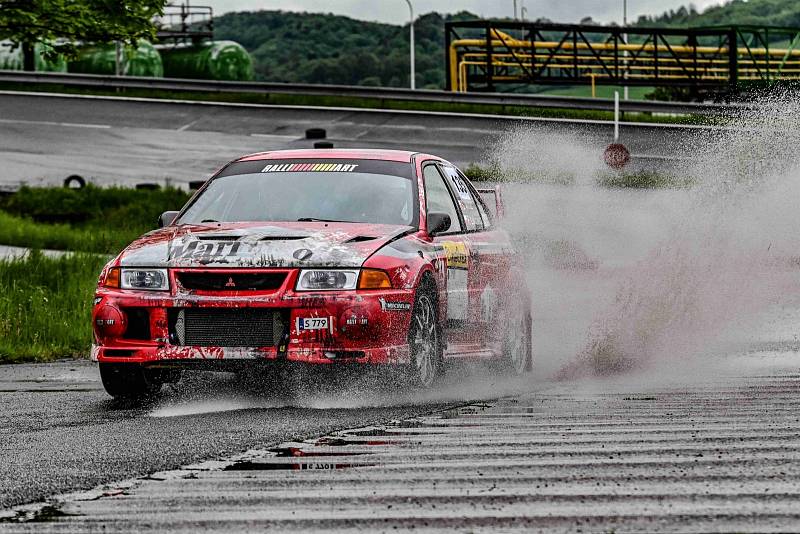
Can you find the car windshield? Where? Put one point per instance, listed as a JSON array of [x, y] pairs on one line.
[[303, 190]]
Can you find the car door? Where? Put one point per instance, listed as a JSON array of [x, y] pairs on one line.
[[485, 256], [453, 255], [493, 246]]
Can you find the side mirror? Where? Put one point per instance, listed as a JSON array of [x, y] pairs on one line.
[[167, 218], [438, 222]]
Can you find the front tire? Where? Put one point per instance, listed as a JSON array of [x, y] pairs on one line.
[[129, 381], [424, 339]]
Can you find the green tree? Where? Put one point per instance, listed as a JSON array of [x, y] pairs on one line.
[[59, 24]]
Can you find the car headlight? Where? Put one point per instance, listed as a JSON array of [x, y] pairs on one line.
[[151, 279], [326, 279]]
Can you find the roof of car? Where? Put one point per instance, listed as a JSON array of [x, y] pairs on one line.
[[401, 156]]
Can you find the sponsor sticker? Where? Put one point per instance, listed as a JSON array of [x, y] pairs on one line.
[[394, 306], [457, 254], [310, 167], [195, 250], [461, 187]]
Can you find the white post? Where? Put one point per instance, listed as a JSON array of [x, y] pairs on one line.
[[625, 38], [515, 9], [616, 116], [411, 44]]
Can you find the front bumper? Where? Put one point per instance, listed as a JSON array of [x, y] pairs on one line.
[[361, 326]]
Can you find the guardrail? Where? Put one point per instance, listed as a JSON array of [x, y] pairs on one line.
[[91, 81]]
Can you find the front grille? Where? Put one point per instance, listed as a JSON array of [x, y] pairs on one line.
[[205, 281], [227, 327]]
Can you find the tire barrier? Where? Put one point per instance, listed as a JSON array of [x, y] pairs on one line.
[[76, 179], [147, 187], [316, 133]]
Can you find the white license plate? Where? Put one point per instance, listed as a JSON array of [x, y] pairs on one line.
[[313, 323]]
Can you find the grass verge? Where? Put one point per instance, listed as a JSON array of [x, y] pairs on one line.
[[24, 232], [46, 306], [92, 219], [639, 179]]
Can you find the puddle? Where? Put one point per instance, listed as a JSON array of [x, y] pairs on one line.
[[382, 432], [38, 514], [298, 466], [297, 452], [49, 390], [342, 442]]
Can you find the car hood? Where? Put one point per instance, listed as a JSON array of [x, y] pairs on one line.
[[315, 244]]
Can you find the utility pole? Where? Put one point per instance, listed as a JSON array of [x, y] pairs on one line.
[[411, 44], [515, 9]]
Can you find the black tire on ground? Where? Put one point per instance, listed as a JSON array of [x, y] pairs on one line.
[[316, 133], [147, 187], [425, 338], [76, 179], [517, 345], [129, 381]]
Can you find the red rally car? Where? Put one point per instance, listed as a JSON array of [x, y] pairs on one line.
[[320, 257]]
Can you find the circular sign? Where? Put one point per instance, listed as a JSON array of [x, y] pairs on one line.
[[616, 156]]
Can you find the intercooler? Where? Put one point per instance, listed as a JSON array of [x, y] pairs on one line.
[[227, 327]]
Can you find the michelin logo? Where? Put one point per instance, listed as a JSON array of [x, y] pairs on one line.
[[394, 306]]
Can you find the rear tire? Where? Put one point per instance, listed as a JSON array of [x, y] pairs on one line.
[[129, 381], [424, 339], [517, 344]]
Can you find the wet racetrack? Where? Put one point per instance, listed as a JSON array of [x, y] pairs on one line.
[[633, 454], [699, 434]]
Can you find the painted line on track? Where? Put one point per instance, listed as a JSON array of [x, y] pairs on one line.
[[404, 112], [53, 123]]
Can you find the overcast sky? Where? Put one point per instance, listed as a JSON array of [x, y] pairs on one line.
[[396, 11]]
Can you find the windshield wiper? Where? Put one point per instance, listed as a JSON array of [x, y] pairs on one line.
[[314, 219], [208, 221]]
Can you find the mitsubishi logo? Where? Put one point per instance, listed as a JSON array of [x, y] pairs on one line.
[[230, 282]]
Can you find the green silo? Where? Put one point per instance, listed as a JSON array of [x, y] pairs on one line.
[[210, 60], [142, 60], [11, 58]]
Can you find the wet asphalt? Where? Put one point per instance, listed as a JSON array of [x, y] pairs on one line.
[[711, 448], [60, 432], [44, 139]]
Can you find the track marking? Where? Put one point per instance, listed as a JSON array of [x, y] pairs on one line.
[[275, 136], [189, 125], [52, 123]]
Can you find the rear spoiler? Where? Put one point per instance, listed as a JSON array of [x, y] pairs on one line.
[[493, 198]]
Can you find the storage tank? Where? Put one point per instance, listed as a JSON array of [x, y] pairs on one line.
[[141, 60], [210, 60], [11, 58]]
